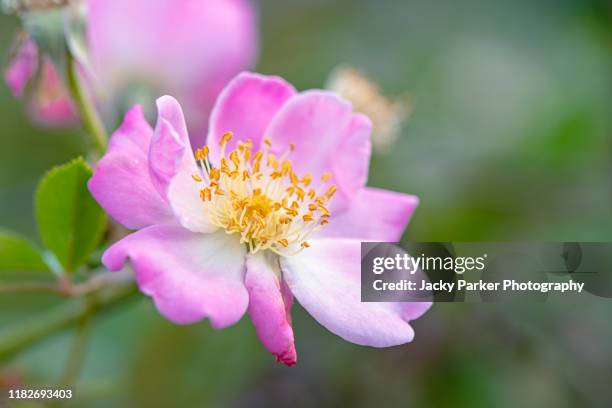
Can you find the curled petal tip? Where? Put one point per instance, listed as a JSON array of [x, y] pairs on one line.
[[288, 358]]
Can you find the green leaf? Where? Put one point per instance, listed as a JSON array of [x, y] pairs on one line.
[[70, 222], [18, 254]]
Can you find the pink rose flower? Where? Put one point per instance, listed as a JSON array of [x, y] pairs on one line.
[[187, 48], [253, 221], [33, 78]]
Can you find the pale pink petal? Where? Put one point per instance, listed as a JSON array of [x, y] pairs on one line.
[[121, 182], [245, 107], [190, 276], [172, 166], [186, 48], [325, 279], [328, 136], [373, 215], [270, 305], [170, 150]]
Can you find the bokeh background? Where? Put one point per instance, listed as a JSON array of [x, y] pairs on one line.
[[510, 139]]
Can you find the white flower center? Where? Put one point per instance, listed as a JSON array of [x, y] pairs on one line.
[[260, 197]]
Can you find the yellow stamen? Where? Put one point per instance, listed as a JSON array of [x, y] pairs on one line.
[[330, 191], [227, 136], [260, 197]]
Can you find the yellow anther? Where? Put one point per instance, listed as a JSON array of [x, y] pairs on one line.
[[224, 165], [201, 153], [257, 161], [234, 158], [272, 162], [323, 210], [305, 244], [205, 194], [324, 221], [307, 217], [267, 141], [307, 179], [330, 191], [196, 178], [214, 174], [326, 176], [286, 167], [227, 136], [283, 242]]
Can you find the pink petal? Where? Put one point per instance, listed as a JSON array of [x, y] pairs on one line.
[[325, 279], [172, 166], [186, 48], [270, 305], [50, 103], [245, 107], [189, 276], [170, 149], [121, 182], [328, 136], [373, 215], [22, 67]]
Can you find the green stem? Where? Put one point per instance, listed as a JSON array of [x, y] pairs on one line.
[[78, 351], [89, 116], [14, 339], [30, 287]]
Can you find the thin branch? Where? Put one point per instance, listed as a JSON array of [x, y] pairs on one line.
[[20, 336], [67, 289], [31, 287], [78, 352], [92, 123]]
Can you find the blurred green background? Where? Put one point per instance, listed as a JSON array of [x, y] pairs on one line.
[[510, 139]]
